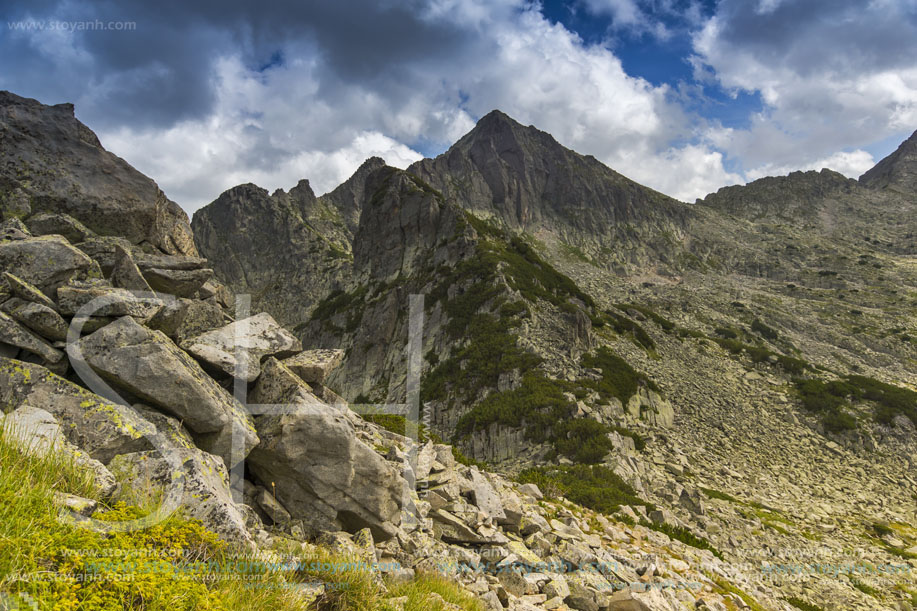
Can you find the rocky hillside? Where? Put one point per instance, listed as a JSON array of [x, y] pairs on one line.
[[671, 429], [897, 172]]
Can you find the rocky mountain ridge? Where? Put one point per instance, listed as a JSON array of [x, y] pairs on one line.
[[682, 409]]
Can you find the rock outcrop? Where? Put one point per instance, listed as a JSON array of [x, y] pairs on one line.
[[524, 178], [52, 163], [275, 248], [257, 337], [898, 171]]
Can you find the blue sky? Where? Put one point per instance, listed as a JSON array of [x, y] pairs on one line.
[[685, 96]]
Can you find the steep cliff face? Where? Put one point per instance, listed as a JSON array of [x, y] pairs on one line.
[[50, 162], [347, 199], [269, 247], [525, 180]]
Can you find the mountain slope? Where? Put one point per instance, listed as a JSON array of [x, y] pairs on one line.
[[898, 171]]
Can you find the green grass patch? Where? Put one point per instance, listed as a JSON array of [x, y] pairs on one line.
[[716, 494], [49, 559], [433, 592], [667, 325], [803, 605], [175, 565], [684, 535], [731, 589]]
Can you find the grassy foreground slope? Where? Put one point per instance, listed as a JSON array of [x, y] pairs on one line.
[[49, 562]]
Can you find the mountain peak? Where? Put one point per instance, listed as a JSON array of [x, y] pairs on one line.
[[897, 171], [500, 128], [496, 118]]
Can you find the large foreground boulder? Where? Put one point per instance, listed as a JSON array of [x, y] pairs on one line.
[[181, 319], [149, 366], [46, 262], [324, 475], [99, 427], [253, 338], [205, 496]]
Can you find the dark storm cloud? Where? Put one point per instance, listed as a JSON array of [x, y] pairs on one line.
[[817, 35], [162, 71]]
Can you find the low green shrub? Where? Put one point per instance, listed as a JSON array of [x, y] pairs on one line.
[[757, 326], [619, 379], [583, 440], [826, 399], [622, 325], [830, 398], [667, 325], [339, 301], [716, 494], [592, 486], [803, 605], [865, 588], [684, 535], [892, 400]]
